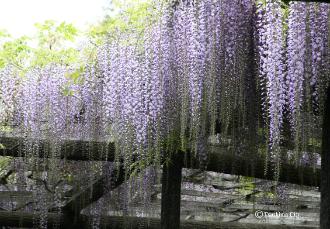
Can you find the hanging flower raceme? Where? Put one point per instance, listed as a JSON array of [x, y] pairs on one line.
[[133, 95], [296, 52], [190, 39], [42, 105], [306, 79], [46, 102], [272, 68], [150, 92], [8, 82], [89, 114], [318, 25]]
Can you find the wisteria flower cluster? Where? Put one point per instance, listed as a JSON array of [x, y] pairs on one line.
[[292, 65], [8, 81], [193, 60], [272, 69]]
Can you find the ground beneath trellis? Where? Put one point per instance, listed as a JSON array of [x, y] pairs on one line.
[[216, 200], [208, 199]]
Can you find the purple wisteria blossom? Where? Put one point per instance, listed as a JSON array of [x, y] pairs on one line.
[[296, 67], [8, 82], [272, 69]]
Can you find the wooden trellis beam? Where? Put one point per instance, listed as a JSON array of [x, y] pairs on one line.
[[71, 211], [220, 160], [76, 150], [254, 166]]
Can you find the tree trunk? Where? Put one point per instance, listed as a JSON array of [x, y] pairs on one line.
[[325, 167]]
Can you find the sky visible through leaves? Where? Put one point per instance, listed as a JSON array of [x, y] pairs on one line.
[[18, 17]]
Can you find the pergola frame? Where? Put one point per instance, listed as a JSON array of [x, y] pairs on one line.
[[219, 161]]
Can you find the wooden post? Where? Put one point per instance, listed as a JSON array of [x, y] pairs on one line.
[[325, 167], [171, 192]]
